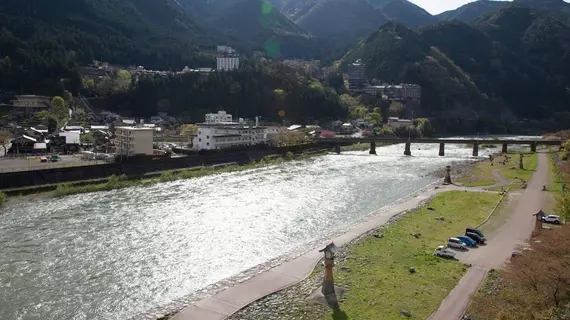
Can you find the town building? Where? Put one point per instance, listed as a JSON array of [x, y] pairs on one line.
[[399, 92], [219, 136], [220, 117], [227, 59], [356, 75], [130, 141], [219, 132], [395, 122], [30, 104]]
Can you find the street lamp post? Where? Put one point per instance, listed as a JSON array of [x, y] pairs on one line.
[[328, 290]]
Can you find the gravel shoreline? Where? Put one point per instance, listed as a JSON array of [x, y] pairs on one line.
[[286, 303]]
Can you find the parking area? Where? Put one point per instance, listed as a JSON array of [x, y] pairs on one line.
[[11, 164]]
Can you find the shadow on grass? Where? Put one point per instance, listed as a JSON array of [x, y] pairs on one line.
[[339, 315]]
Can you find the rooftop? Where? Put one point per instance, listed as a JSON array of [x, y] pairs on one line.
[[137, 128]]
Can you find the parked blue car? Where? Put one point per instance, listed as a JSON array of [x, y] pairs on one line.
[[468, 241]]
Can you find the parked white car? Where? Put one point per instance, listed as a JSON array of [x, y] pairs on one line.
[[456, 243], [551, 218], [443, 252]]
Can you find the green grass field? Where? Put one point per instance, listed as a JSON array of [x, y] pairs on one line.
[[380, 285], [482, 174]]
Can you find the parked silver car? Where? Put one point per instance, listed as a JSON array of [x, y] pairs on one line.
[[456, 243], [443, 252]]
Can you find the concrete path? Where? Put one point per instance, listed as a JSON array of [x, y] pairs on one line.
[[227, 302], [513, 233]]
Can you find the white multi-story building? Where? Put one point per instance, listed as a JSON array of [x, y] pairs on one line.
[[227, 59], [220, 132], [227, 63], [219, 136], [132, 141], [220, 117]]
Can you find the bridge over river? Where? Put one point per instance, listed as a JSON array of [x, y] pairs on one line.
[[338, 141]]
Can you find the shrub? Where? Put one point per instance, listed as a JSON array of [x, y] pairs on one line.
[[327, 134], [289, 155], [3, 198]]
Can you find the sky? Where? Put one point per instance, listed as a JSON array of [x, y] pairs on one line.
[[439, 6]]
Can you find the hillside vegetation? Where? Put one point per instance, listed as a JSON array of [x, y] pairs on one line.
[[515, 61], [42, 41]]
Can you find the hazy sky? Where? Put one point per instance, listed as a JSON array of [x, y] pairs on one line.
[[439, 6]]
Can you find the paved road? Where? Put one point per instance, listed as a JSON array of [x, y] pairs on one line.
[[32, 162], [513, 233]]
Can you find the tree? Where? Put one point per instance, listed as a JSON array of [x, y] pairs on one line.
[[87, 138], [5, 138], [188, 129], [396, 109], [535, 285], [123, 81], [163, 105], [423, 127], [59, 108], [67, 96], [49, 119], [290, 138], [374, 117], [87, 83]]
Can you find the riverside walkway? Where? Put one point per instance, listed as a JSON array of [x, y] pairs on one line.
[[493, 256]]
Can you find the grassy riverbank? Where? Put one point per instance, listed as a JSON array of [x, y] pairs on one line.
[[119, 182], [380, 285], [376, 270], [482, 174]]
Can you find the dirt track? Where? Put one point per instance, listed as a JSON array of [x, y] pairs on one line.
[[513, 233]]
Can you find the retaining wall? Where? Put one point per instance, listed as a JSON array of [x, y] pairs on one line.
[[133, 167]]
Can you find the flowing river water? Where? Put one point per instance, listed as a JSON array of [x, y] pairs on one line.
[[111, 255]]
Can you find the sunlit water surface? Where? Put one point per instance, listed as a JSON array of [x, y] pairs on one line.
[[111, 255]]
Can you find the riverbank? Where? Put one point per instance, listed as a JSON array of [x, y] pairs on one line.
[[397, 208], [115, 182], [375, 269]]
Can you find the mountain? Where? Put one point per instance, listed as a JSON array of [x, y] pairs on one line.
[[513, 60], [41, 41], [558, 9], [499, 70], [396, 54], [254, 25], [404, 11], [535, 36], [342, 18], [471, 11]]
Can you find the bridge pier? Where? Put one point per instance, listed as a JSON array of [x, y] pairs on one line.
[[337, 149], [408, 151], [372, 147], [533, 147], [442, 149], [504, 148], [475, 149]]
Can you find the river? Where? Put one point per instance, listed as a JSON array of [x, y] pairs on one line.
[[111, 255]]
